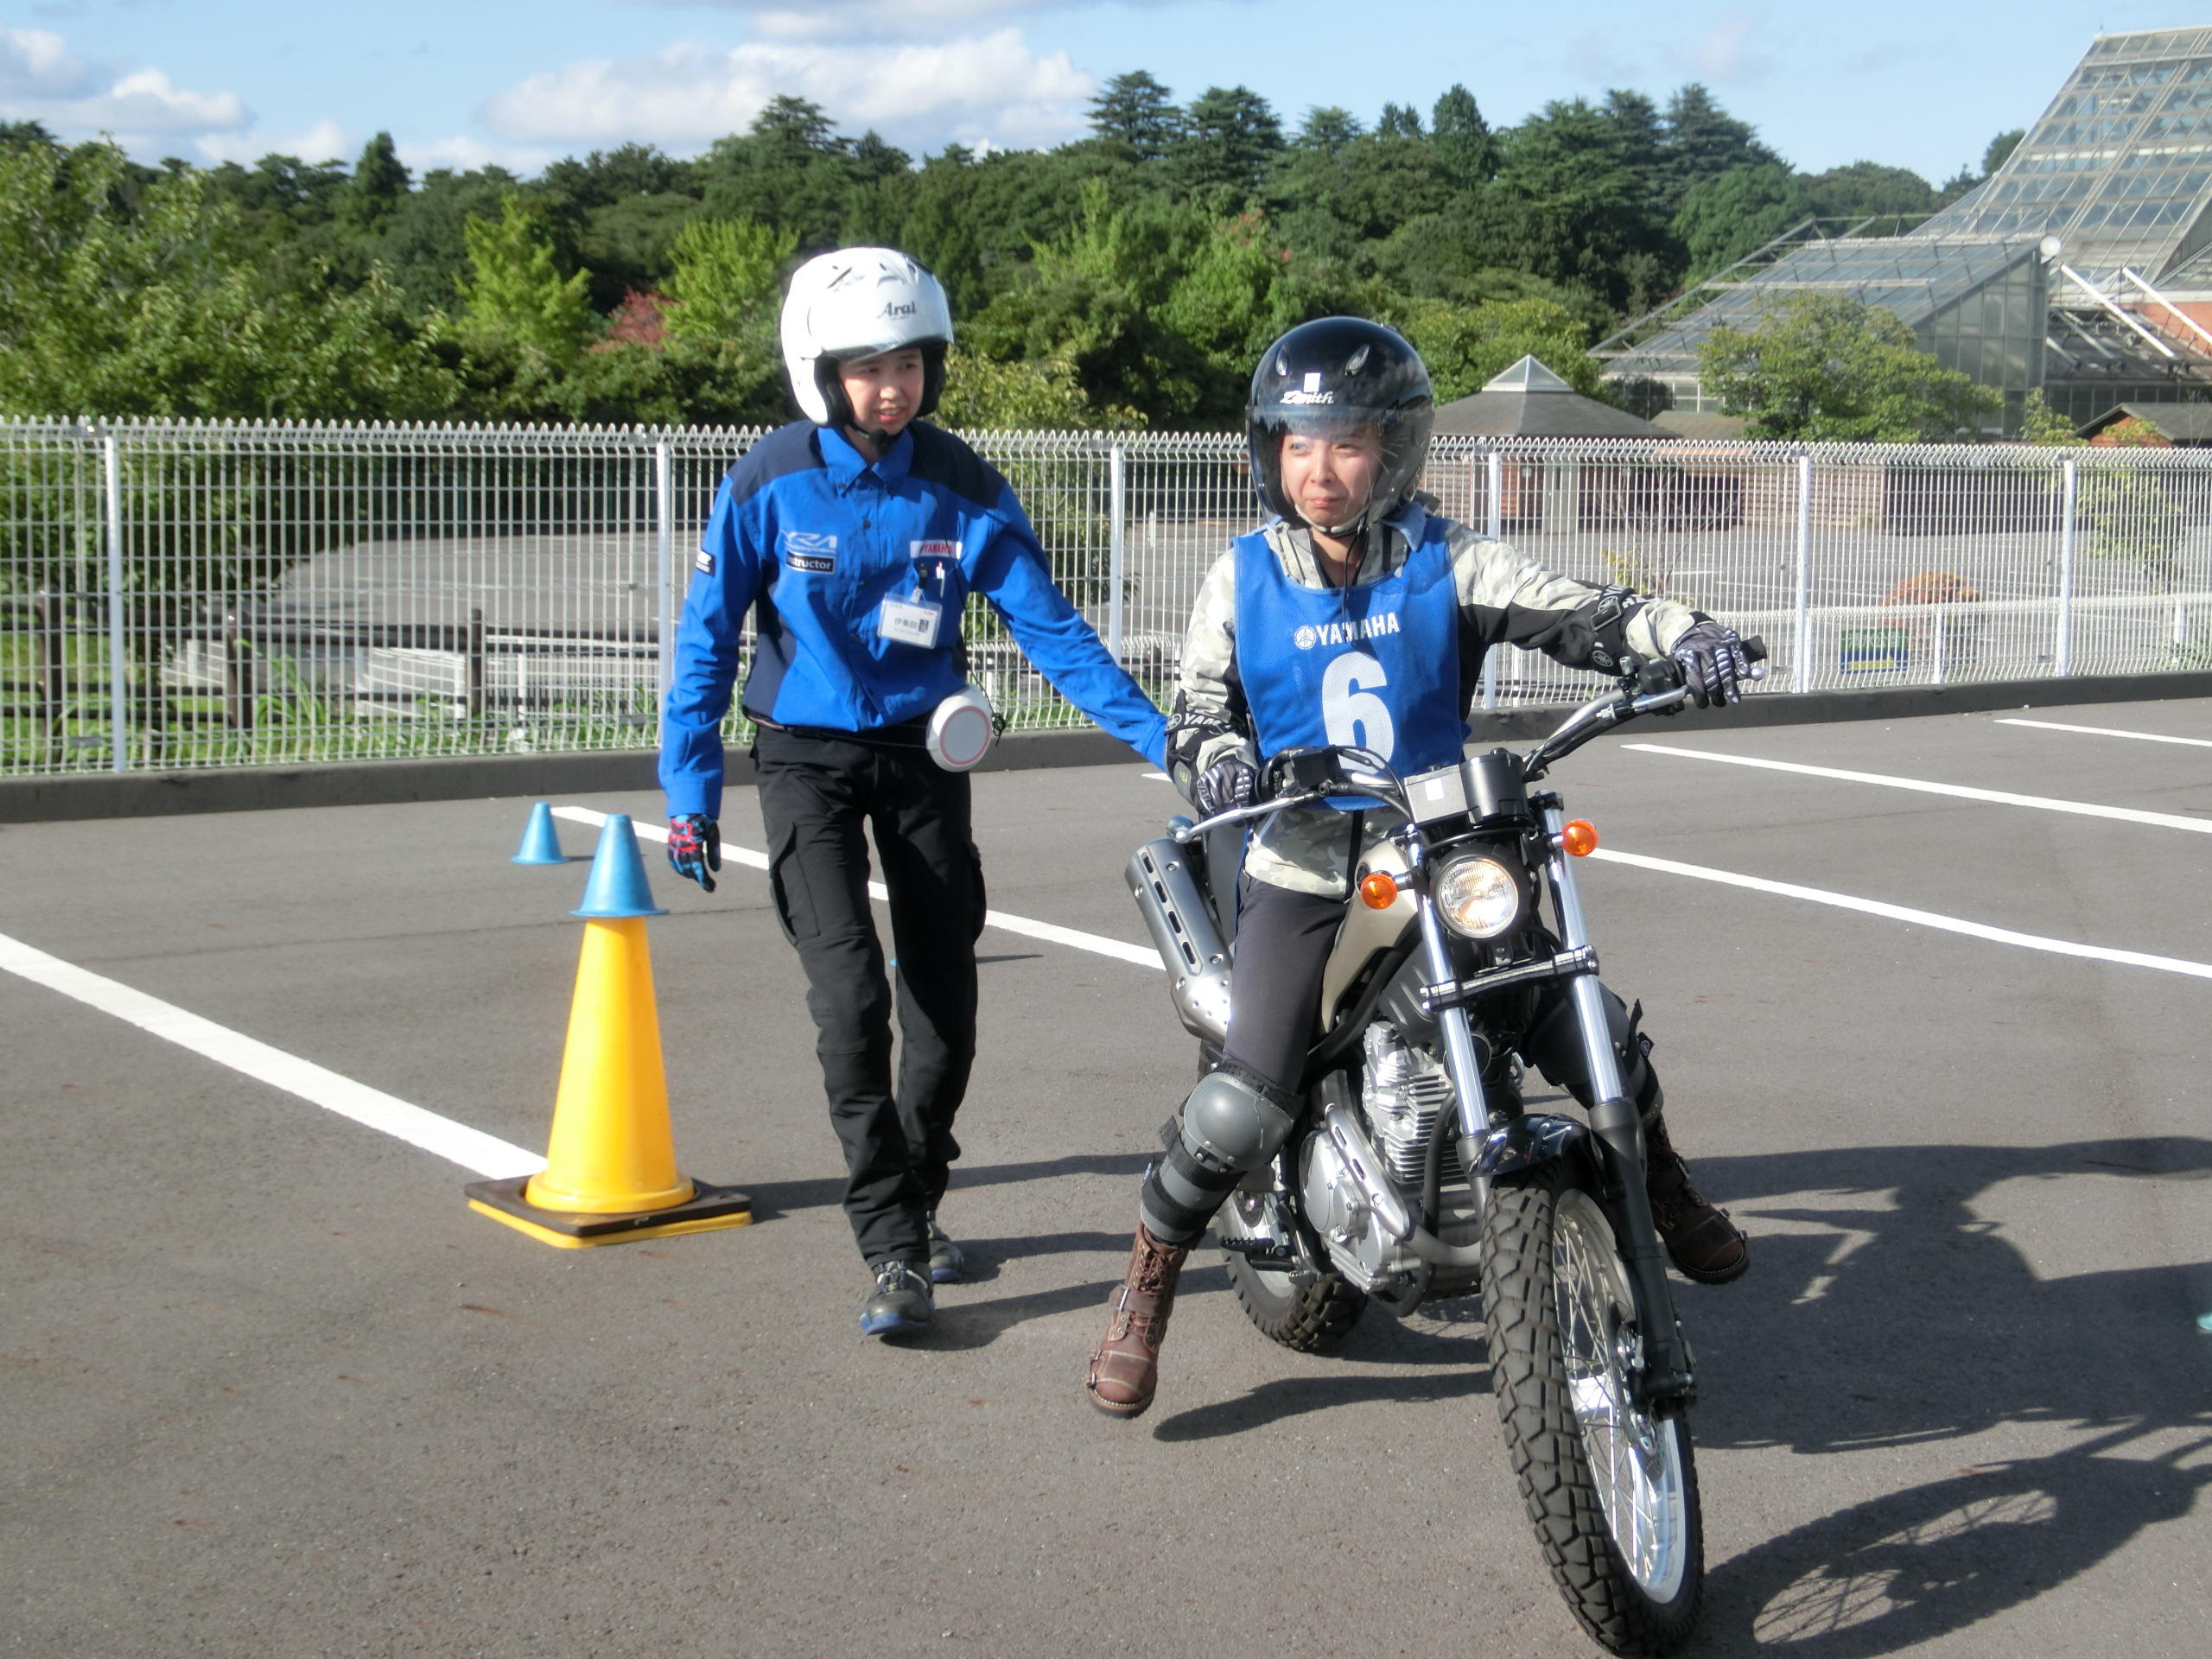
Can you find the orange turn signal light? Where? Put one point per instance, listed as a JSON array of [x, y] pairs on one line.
[[1379, 891], [1579, 836]]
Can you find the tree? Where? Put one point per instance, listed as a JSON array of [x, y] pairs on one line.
[[379, 184], [1328, 129], [160, 306], [726, 284], [1399, 121], [1227, 135], [1093, 299], [2000, 149], [1721, 220], [1465, 143], [1703, 141], [515, 299], [1822, 366], [1466, 348], [1136, 110], [1869, 190], [1567, 205]]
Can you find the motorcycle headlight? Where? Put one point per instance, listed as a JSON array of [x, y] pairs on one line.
[[1478, 898]]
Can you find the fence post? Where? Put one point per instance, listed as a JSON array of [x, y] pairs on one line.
[[2063, 648], [237, 674], [1801, 668], [118, 661], [1942, 637], [476, 664], [45, 622], [664, 539], [1118, 503], [1494, 525]]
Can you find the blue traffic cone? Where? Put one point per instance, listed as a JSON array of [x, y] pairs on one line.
[[616, 887], [541, 842]]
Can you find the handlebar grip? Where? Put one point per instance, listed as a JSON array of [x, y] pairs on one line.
[[1754, 648]]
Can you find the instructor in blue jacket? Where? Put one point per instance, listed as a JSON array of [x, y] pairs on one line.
[[854, 537]]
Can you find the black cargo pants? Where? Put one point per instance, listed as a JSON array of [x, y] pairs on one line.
[[816, 792]]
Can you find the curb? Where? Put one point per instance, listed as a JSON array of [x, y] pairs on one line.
[[379, 783]]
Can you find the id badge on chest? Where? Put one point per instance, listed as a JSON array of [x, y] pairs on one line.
[[911, 621]]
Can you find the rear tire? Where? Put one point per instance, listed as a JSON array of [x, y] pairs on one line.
[[1611, 1490], [1312, 1319]]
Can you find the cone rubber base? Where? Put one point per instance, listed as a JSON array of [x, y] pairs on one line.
[[706, 1211]]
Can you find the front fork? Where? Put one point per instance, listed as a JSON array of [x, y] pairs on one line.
[[1614, 1121]]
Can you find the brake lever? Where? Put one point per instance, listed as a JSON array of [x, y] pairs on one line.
[[1191, 832]]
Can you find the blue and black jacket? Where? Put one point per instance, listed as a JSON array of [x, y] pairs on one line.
[[814, 539]]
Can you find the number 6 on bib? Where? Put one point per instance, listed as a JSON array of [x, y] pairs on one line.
[[1350, 712]]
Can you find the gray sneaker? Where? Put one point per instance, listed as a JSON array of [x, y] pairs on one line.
[[946, 1262], [899, 1303]]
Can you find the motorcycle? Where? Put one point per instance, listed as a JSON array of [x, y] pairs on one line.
[[1414, 1170]]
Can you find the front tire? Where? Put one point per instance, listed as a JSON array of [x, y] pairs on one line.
[[1611, 1490], [1312, 1319]]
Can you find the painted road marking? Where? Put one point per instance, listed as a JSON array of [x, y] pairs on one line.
[[2109, 731], [472, 1149], [1916, 918], [1052, 932], [1961, 791]]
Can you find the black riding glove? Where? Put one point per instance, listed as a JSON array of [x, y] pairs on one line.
[[1224, 786], [1713, 664], [695, 847]]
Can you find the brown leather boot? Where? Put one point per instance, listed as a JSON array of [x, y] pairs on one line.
[[1125, 1367], [1700, 1240]]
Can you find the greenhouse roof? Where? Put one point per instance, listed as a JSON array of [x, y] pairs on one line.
[[2119, 168], [1915, 277]]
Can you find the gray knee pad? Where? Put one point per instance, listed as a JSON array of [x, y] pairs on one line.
[[1234, 1122]]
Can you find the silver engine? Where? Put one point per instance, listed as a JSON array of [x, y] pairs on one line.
[[1406, 1089]]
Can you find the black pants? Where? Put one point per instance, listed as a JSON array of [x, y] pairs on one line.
[[1283, 940], [815, 795]]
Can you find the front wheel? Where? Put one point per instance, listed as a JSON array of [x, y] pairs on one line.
[[1610, 1489]]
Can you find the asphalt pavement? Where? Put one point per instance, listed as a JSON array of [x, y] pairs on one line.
[[270, 1388]]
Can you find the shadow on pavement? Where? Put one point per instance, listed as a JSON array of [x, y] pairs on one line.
[[1910, 1321]]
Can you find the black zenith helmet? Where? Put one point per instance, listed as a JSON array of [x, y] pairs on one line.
[[1333, 376]]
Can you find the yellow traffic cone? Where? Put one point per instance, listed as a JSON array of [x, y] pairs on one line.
[[610, 1171]]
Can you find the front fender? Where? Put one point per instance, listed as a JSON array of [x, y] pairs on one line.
[[1528, 1143]]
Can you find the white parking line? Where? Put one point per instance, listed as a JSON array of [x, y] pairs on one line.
[[1960, 791], [1917, 917], [457, 1143], [2108, 731], [1052, 932]]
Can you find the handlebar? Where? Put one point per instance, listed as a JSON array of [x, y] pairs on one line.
[[1652, 687]]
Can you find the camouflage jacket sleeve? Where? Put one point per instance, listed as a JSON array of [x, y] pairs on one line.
[[1210, 721], [1507, 597]]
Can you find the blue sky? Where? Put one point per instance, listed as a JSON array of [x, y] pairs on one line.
[[1923, 85]]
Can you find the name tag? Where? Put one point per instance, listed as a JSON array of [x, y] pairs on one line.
[[911, 621]]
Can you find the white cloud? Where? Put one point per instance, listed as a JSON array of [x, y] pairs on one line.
[[990, 86], [36, 64], [845, 20], [1727, 52], [326, 141], [1593, 56], [40, 81]]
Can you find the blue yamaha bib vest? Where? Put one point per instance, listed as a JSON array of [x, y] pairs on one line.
[[1375, 666]]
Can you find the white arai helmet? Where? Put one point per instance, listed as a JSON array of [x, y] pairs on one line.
[[860, 302]]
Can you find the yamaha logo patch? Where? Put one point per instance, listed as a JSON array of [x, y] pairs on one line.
[[1344, 633], [804, 549]]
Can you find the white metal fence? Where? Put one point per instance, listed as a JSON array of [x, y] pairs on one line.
[[179, 595]]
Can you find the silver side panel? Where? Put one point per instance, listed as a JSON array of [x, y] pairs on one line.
[[1183, 932]]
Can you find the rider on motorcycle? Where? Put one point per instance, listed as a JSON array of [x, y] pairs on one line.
[[1338, 423]]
